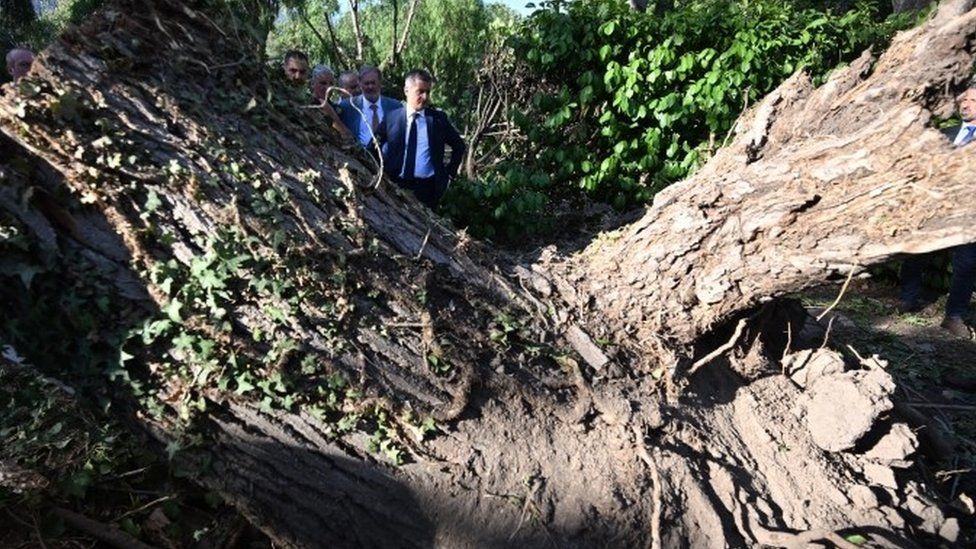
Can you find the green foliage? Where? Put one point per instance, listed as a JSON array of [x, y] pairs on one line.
[[446, 37], [937, 274], [291, 31], [38, 31], [628, 103], [44, 429], [503, 205]]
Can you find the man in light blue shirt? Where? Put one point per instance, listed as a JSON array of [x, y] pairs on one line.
[[415, 140], [364, 114]]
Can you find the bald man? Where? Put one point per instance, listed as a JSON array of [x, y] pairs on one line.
[[19, 62]]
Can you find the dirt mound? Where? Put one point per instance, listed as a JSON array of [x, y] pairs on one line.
[[843, 407]]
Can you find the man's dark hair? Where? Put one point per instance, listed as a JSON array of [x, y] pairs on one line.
[[295, 54], [418, 75], [366, 69]]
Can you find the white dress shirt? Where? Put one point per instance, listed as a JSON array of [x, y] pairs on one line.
[[963, 132], [423, 167], [365, 129]]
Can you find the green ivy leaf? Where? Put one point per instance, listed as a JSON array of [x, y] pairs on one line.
[[172, 310]]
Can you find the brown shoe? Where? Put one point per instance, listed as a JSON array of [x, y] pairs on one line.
[[955, 326]]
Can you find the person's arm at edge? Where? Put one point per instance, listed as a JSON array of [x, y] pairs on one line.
[[337, 123]]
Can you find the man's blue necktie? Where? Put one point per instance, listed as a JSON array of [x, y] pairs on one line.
[[969, 135], [411, 148]]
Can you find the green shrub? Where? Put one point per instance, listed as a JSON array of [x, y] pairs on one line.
[[504, 205], [629, 103]]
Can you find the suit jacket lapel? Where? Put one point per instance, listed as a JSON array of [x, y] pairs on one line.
[[431, 130]]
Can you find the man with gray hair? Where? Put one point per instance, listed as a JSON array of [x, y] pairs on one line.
[[322, 79], [364, 114], [414, 140], [19, 61]]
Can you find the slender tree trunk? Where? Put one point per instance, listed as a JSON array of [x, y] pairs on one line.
[[338, 54], [357, 29], [293, 318]]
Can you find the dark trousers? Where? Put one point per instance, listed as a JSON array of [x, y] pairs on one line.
[[960, 288], [424, 188]]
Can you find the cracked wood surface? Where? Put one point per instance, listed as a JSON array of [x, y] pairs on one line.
[[816, 183]]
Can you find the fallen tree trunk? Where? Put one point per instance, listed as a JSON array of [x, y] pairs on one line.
[[818, 183], [263, 302]]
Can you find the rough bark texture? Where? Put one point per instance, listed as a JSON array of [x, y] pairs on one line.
[[153, 149], [899, 6], [817, 182]]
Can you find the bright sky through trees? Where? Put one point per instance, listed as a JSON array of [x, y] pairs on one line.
[[517, 5]]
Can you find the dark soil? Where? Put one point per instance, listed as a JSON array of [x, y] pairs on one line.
[[924, 359]]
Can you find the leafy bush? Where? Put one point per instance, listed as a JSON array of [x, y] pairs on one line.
[[629, 102], [503, 205], [36, 30]]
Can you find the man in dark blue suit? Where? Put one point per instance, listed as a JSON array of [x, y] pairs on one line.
[[414, 142], [963, 257], [364, 114]]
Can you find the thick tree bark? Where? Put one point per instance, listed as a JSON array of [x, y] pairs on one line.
[[163, 164], [817, 182], [899, 6]]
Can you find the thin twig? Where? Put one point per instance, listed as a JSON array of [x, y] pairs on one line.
[[655, 490], [146, 506], [789, 343], [529, 494], [843, 289], [126, 474], [37, 532], [942, 474], [857, 354], [955, 481], [105, 533], [830, 324], [728, 345], [423, 245], [745, 106]]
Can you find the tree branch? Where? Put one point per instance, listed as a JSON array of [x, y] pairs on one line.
[[357, 29], [406, 30], [332, 36], [337, 54]]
